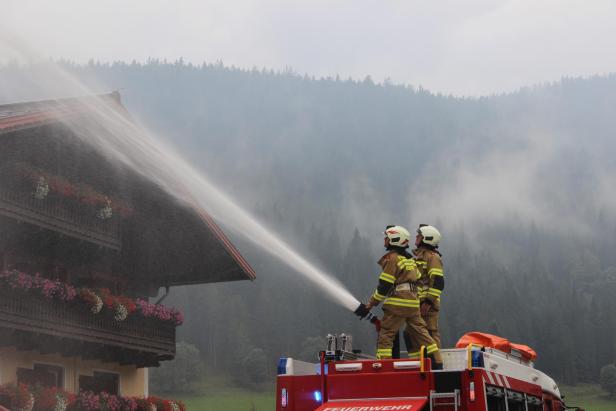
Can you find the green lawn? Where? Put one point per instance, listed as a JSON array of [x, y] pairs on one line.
[[590, 397], [219, 393], [230, 399], [216, 398]]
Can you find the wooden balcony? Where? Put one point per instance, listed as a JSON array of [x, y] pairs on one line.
[[31, 322], [58, 215]]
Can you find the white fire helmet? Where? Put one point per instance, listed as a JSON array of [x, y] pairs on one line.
[[430, 234], [398, 236]]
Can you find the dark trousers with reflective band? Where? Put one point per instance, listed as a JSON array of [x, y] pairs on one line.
[[431, 321], [393, 319]]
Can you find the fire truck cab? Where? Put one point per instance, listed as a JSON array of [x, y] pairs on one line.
[[473, 379]]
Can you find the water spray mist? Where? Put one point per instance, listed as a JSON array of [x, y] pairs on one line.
[[122, 140]]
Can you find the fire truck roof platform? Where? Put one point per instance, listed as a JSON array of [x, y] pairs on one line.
[[471, 376]]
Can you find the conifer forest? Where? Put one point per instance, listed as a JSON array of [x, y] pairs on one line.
[[521, 185]]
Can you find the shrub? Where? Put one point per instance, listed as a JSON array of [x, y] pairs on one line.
[[253, 368], [180, 374], [608, 379]]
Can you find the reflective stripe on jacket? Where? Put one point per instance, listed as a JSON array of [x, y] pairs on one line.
[[432, 281], [396, 271]]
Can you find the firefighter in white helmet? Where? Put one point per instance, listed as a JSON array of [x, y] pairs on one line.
[[397, 290], [431, 284]]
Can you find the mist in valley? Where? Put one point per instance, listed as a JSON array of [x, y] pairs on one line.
[[519, 181]]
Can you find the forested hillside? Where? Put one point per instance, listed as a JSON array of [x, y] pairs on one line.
[[521, 186]]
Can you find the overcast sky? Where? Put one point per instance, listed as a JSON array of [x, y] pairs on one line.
[[462, 47]]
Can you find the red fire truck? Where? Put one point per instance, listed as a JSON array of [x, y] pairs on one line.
[[474, 378]]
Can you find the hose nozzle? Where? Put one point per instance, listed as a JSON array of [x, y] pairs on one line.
[[363, 312]]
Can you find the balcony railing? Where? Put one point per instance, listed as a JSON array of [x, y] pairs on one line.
[[62, 216], [135, 338]]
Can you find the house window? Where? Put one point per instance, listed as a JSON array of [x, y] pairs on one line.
[[42, 374], [108, 382]]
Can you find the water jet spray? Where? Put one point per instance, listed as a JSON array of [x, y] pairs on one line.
[[111, 132], [122, 140]]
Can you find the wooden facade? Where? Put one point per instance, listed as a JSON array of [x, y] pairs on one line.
[[33, 323], [70, 216]]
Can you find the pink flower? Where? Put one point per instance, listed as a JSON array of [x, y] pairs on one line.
[[122, 306], [49, 288], [163, 313], [147, 309], [111, 401], [179, 317], [67, 292], [89, 401], [160, 312], [21, 280], [129, 404], [37, 281]]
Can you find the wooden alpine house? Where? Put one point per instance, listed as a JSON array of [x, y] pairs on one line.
[[86, 246]]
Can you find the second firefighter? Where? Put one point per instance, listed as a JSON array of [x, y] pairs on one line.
[[431, 284]]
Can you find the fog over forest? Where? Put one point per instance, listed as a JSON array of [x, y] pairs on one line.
[[520, 185]]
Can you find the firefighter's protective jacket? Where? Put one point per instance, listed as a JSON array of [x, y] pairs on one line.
[[432, 280], [397, 281]]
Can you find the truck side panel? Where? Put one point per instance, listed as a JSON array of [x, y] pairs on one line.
[[300, 392], [379, 385]]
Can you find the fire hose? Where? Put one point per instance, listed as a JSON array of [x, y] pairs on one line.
[[364, 313]]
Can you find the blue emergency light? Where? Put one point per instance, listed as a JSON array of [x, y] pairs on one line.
[[282, 366], [477, 358]]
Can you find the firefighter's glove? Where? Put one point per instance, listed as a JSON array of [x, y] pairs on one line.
[[362, 311]]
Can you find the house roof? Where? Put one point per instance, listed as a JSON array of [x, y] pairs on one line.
[[37, 113], [28, 115]]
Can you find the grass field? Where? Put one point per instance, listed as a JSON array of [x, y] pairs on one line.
[[589, 397], [231, 399], [216, 398], [220, 394]]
